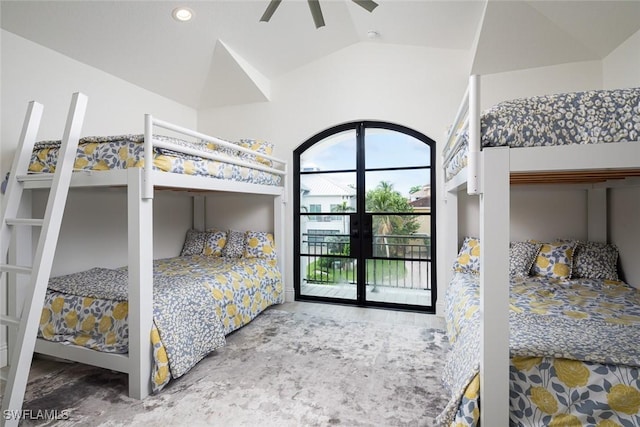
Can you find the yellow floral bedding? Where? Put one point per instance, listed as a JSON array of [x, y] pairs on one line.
[[574, 354], [224, 293], [126, 151]]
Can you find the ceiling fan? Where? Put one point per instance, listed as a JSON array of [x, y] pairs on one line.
[[316, 11]]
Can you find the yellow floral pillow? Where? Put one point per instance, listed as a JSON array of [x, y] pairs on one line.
[[468, 260], [214, 242], [555, 260], [259, 244], [257, 145]]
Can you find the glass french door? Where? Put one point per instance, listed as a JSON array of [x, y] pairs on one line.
[[364, 227]]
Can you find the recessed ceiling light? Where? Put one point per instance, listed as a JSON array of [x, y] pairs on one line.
[[373, 34], [182, 14]]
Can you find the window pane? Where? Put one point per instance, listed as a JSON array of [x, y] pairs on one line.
[[337, 152], [390, 149], [328, 277], [402, 236], [320, 192], [398, 191]]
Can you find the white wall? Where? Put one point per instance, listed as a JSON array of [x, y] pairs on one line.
[[32, 72], [537, 212], [570, 77], [624, 230], [621, 68], [416, 87]]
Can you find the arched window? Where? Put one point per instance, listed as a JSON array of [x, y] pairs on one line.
[[364, 219]]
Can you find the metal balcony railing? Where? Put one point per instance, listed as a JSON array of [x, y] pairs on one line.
[[400, 261]]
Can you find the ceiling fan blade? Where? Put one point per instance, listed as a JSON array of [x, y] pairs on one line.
[[273, 5], [367, 4], [316, 13]]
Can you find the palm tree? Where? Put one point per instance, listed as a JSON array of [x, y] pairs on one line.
[[382, 200]]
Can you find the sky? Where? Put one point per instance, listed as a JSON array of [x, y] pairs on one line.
[[383, 149]]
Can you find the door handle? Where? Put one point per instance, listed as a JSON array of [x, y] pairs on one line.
[[367, 229], [355, 234]]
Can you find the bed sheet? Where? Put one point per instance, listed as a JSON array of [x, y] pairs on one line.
[[589, 117], [574, 357], [223, 293], [125, 151]]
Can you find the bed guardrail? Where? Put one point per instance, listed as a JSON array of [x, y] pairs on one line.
[[150, 143], [473, 161], [468, 116], [454, 138]]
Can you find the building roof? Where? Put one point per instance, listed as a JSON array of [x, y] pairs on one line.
[[319, 185]]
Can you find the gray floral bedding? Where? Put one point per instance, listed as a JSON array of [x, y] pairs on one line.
[[90, 308], [574, 354], [590, 117]]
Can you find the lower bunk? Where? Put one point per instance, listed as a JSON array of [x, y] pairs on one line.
[[197, 300], [574, 357]]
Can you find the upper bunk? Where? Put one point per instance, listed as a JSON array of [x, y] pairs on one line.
[[580, 137], [181, 159]]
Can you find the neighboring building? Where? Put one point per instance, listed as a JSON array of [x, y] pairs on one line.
[[421, 202], [324, 196]]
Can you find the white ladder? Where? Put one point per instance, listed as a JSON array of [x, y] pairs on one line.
[[40, 270]]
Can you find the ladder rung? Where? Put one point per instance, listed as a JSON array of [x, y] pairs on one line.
[[9, 320], [35, 222], [35, 177], [15, 269]]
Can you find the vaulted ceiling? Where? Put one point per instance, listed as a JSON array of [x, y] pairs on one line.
[[225, 56]]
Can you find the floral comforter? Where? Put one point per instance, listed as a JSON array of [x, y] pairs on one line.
[[90, 308], [590, 117], [574, 354], [126, 151]]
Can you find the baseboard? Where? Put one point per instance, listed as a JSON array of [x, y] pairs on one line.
[[289, 295], [440, 309]]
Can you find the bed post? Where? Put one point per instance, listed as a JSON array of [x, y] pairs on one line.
[[199, 213], [597, 214], [140, 249], [449, 242], [279, 231], [279, 236], [494, 288]]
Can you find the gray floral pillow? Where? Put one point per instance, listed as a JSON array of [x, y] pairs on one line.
[[595, 260], [522, 255], [234, 248], [193, 243]]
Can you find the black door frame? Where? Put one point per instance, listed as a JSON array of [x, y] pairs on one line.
[[360, 127]]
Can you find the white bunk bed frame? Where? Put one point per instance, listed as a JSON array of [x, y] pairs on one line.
[[140, 184], [487, 175]]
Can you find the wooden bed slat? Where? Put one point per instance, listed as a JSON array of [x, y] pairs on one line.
[[572, 177]]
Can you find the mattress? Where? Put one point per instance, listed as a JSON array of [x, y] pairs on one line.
[[125, 151], [90, 308], [589, 117], [573, 347]]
